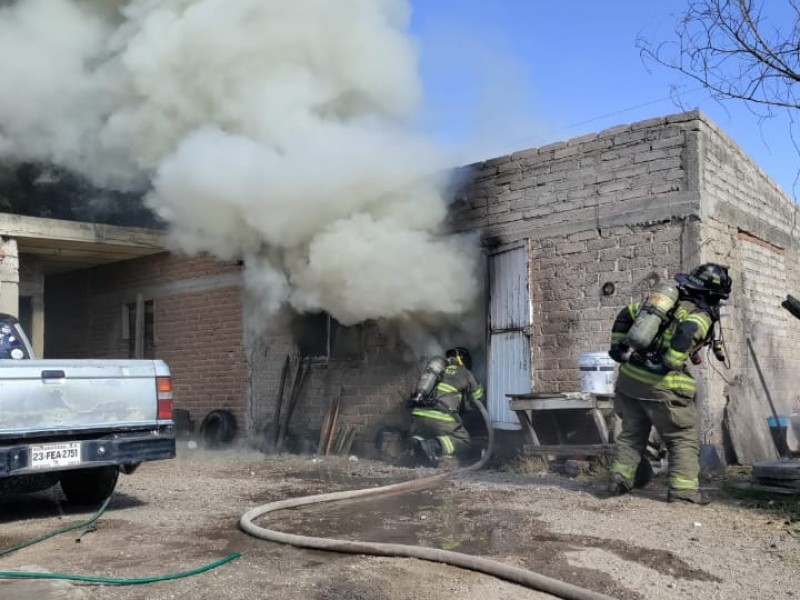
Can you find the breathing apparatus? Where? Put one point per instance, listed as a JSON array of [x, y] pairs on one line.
[[707, 285], [428, 380], [653, 315]]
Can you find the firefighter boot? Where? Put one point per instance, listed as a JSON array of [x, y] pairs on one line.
[[428, 452], [693, 496], [618, 486]]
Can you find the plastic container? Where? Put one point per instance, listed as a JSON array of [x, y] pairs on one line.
[[598, 373], [779, 429]]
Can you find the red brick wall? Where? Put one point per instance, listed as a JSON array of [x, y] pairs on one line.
[[198, 334]]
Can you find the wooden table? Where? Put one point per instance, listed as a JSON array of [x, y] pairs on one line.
[[529, 407]]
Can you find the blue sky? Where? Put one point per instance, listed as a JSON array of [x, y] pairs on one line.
[[503, 75]]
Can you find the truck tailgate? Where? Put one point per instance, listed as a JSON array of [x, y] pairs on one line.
[[52, 395]]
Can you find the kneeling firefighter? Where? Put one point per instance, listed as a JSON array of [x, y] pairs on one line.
[[436, 406], [653, 342]]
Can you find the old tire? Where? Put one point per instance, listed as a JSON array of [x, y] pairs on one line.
[[89, 486], [218, 428]]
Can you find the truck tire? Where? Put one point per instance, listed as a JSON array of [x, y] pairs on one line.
[[218, 428], [89, 486]]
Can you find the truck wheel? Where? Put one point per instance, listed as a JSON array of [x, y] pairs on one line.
[[89, 486], [218, 428]]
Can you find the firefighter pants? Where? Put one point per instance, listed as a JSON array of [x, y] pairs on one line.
[[436, 424], [675, 421]]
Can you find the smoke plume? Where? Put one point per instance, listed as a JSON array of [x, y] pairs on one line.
[[274, 131]]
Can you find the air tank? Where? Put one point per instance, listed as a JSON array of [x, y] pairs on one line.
[[652, 315], [430, 377]]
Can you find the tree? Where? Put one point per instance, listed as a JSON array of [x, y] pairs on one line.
[[738, 49]]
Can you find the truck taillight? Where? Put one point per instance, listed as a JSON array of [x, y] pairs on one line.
[[164, 387]]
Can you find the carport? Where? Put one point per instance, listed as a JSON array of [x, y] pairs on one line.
[[32, 248]]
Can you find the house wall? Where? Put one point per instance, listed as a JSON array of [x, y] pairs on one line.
[[620, 206], [633, 204], [750, 224], [197, 323], [627, 207]]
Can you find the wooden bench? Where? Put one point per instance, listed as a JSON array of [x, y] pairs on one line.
[[530, 408]]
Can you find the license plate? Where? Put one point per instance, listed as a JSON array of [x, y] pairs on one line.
[[53, 456]]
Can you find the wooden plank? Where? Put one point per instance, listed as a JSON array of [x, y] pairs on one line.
[[325, 430], [552, 404], [527, 425], [333, 432], [777, 469], [793, 484], [746, 418], [771, 489], [600, 421], [569, 449]]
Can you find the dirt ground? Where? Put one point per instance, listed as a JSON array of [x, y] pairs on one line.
[[178, 515]]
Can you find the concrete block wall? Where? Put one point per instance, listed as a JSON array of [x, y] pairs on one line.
[[197, 323], [618, 207], [750, 224]]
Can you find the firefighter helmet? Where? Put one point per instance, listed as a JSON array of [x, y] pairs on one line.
[[460, 355], [709, 279]]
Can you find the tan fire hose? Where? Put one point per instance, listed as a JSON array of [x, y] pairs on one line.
[[523, 577]]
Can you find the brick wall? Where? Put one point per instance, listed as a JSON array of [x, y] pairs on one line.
[[197, 323]]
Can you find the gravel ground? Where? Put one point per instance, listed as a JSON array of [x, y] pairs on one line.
[[177, 515]]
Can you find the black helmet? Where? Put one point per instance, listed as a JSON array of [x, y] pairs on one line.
[[709, 279], [460, 355]]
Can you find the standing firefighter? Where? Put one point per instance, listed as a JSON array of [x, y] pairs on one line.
[[437, 429], [653, 342]]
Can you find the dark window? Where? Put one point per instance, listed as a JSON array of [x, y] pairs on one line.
[[148, 338], [318, 335]]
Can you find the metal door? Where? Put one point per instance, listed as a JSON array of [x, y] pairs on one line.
[[509, 324]]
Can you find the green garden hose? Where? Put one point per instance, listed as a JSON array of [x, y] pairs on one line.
[[106, 580], [118, 580]]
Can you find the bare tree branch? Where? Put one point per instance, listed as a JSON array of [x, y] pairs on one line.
[[737, 49]]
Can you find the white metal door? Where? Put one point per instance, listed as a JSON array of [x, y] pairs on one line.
[[509, 323]]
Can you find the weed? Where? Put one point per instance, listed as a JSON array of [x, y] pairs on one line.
[[527, 465], [783, 507]]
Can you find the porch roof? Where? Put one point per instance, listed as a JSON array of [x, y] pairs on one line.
[[69, 245]]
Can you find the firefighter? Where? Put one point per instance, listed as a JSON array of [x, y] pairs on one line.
[[437, 429], [654, 387]]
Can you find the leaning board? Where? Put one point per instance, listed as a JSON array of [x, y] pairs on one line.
[[746, 417]]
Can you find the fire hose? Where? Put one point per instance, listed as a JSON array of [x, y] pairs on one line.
[[495, 568]]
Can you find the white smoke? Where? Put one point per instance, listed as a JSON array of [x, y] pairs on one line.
[[270, 130]]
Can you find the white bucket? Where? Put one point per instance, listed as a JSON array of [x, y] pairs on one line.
[[598, 373]]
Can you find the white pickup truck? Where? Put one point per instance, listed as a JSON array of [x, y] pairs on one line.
[[78, 423]]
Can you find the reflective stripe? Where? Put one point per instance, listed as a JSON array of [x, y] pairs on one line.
[[626, 471], [478, 393], [633, 309], [671, 381], [437, 415], [674, 359], [446, 388], [682, 483], [447, 444]]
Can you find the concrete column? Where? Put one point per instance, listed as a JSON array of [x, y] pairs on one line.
[[9, 276], [37, 337]]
